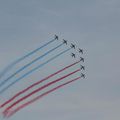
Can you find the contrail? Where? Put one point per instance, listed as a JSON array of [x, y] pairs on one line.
[[37, 83], [10, 113], [26, 74], [27, 65], [39, 89], [22, 58]]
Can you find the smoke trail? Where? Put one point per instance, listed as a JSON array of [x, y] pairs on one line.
[[27, 65], [26, 74], [22, 58], [39, 89], [10, 113], [37, 83]]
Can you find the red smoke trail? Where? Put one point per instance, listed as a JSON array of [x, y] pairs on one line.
[[10, 113], [39, 89], [37, 83]]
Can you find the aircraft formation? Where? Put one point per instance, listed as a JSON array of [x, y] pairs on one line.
[[10, 105], [73, 55]]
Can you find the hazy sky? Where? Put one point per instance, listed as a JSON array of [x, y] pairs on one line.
[[93, 25]]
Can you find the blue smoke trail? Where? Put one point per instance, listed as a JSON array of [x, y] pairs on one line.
[[22, 58], [27, 65], [3, 90]]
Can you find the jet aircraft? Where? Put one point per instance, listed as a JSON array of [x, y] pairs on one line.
[[82, 67], [56, 37], [73, 55], [82, 59], [80, 50], [72, 46], [65, 41], [82, 75]]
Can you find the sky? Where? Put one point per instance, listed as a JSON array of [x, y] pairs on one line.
[[91, 24]]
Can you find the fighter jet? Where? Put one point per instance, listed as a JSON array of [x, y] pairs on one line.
[[72, 46], [82, 59], [80, 50], [73, 55], [82, 75], [56, 37], [82, 67], [65, 41]]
